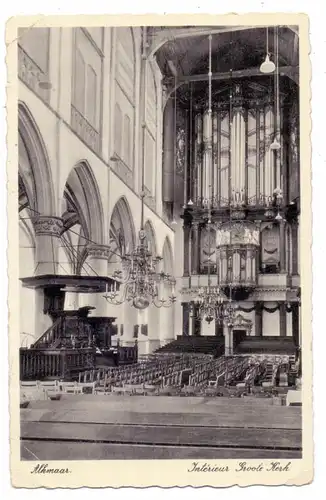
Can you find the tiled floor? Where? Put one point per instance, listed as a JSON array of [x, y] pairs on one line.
[[137, 427]]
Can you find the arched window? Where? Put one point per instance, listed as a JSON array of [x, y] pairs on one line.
[[91, 96], [117, 129], [126, 61], [35, 42], [79, 83], [127, 139]]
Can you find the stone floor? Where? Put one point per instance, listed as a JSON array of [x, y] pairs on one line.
[[122, 427]]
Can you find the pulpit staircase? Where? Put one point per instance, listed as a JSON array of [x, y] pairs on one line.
[[51, 337], [62, 351], [72, 344]]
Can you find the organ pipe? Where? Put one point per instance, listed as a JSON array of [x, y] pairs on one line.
[[229, 156], [191, 165]]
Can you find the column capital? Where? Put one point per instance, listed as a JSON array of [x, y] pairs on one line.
[[98, 251], [48, 225]]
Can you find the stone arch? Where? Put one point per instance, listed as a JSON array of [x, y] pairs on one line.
[[122, 229], [83, 202], [151, 237], [167, 255], [83, 218], [34, 164]]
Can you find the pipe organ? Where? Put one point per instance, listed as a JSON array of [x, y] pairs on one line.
[[244, 170], [225, 170], [237, 244]]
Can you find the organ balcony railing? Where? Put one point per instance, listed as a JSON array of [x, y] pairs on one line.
[[237, 243], [237, 264]]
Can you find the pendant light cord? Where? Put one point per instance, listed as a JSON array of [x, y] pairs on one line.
[[144, 59], [191, 146], [210, 151], [277, 85], [230, 176], [175, 146]]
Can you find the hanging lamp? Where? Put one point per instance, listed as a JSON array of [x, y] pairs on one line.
[[276, 145], [267, 66], [174, 221], [190, 202], [141, 277]]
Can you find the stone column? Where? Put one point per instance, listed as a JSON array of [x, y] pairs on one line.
[[71, 301], [218, 329], [282, 247], [48, 231], [294, 234], [186, 234], [153, 339], [97, 265], [166, 332], [282, 319], [185, 318], [228, 335], [192, 319], [295, 323], [130, 319], [259, 319], [168, 152], [195, 249]]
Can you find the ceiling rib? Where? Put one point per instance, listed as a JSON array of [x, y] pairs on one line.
[[290, 71], [159, 38]]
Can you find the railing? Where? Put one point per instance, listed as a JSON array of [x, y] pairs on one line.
[[238, 201], [37, 364], [51, 336], [32, 75], [122, 170]]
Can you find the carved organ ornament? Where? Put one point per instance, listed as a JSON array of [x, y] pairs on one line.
[[244, 170]]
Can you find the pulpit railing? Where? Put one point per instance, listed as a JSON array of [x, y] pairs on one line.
[[51, 335], [65, 364]]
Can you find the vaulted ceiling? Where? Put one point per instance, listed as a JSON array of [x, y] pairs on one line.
[[240, 48]]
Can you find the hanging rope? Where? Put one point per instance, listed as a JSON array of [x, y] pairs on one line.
[[175, 148]]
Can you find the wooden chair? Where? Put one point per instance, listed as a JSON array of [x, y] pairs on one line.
[[103, 386], [71, 388], [28, 384], [49, 385], [139, 389], [88, 385], [116, 389]]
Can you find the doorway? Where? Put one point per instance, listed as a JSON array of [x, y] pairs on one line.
[[238, 336]]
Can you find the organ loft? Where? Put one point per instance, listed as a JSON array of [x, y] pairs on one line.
[[235, 171]]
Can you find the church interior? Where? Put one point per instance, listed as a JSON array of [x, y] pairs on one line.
[[159, 239]]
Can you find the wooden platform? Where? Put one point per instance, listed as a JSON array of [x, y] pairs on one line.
[[122, 427]]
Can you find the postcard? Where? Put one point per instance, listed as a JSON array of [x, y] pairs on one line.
[[159, 215]]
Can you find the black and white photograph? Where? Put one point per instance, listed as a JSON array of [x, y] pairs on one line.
[[159, 203]]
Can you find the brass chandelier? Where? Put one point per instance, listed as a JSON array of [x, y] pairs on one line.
[[141, 282], [213, 304]]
